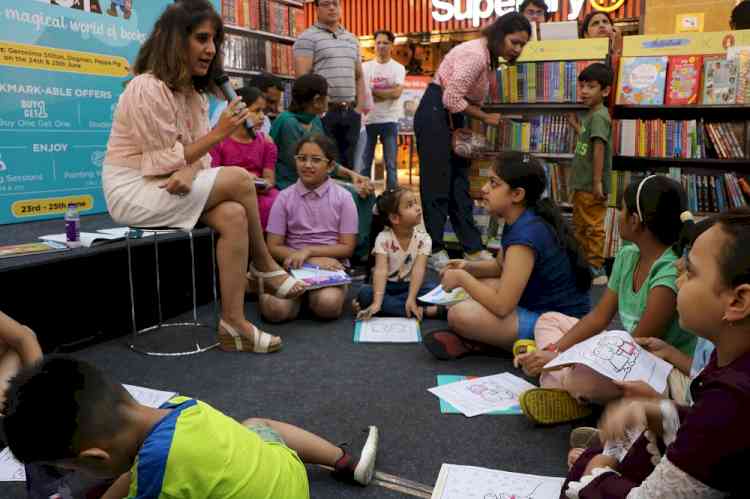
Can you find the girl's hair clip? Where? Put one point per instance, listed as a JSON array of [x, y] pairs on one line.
[[687, 215]]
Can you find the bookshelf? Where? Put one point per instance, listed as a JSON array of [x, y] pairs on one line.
[[714, 173], [259, 39], [535, 95]]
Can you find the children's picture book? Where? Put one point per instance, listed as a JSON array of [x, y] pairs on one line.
[[719, 81], [316, 277], [642, 81], [483, 395], [472, 482], [447, 408], [25, 249], [387, 330], [683, 80], [439, 296], [617, 356], [741, 56], [88, 239]]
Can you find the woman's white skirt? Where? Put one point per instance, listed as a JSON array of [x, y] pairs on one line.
[[135, 200]]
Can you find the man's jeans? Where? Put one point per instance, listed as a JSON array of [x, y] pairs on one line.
[[388, 133]]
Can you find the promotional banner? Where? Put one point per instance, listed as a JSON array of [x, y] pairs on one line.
[[63, 64]]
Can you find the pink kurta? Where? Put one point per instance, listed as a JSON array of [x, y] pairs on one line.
[[464, 75], [151, 127], [255, 157]]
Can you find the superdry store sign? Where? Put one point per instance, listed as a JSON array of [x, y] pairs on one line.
[[476, 10]]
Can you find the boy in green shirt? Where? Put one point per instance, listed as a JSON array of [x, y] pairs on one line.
[[185, 449], [591, 166]]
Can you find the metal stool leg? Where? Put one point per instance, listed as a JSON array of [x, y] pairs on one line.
[[161, 325]]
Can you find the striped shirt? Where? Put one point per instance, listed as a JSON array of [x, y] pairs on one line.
[[464, 75], [335, 56]]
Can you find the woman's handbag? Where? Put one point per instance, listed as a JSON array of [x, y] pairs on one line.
[[467, 143]]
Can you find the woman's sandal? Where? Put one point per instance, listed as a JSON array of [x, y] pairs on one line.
[[282, 291], [231, 340]]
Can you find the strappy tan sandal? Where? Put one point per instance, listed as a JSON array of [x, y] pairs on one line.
[[283, 291], [231, 340]]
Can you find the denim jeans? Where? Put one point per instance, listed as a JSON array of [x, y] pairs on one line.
[[388, 133]]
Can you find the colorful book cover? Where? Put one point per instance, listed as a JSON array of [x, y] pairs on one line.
[[720, 81], [683, 80], [30, 249], [316, 277], [642, 81]]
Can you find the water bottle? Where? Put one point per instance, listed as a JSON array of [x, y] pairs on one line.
[[73, 226]]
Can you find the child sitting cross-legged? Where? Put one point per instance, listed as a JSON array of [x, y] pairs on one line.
[[313, 221], [642, 288], [185, 448], [669, 450], [400, 252], [540, 268]]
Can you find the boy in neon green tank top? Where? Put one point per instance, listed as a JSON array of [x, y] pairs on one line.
[[184, 449]]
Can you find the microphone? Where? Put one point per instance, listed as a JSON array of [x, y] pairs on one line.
[[222, 81]]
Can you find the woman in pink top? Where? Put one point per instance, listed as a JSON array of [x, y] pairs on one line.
[[157, 171], [255, 154], [460, 87]]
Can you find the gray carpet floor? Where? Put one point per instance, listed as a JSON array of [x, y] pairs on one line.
[[324, 382]]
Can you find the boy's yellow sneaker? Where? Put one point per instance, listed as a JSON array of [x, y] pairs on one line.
[[550, 406]]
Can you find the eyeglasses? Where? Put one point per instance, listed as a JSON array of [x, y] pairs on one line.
[[313, 160]]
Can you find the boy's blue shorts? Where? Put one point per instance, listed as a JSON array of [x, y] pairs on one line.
[[526, 323]]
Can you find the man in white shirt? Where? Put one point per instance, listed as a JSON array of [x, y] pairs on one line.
[[385, 78]]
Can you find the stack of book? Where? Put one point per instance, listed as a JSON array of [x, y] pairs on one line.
[[255, 54], [689, 139], [532, 82], [265, 15], [547, 133]]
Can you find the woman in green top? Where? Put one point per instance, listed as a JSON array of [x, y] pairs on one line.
[[309, 102], [642, 289]]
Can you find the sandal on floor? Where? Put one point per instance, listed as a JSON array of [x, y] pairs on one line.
[[231, 340], [550, 406], [283, 291], [444, 344]]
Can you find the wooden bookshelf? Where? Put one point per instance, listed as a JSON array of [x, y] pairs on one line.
[[262, 34], [252, 72], [535, 107], [737, 112], [638, 163]]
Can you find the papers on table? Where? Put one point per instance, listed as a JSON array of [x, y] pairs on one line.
[[88, 239], [483, 395], [387, 330], [439, 296], [447, 408], [616, 355], [13, 471], [471, 482]]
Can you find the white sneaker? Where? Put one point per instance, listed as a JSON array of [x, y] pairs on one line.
[[479, 256], [437, 261], [366, 466]]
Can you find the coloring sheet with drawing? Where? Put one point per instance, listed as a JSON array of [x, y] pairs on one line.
[[482, 395], [616, 355], [387, 330], [439, 296], [470, 482], [13, 471]]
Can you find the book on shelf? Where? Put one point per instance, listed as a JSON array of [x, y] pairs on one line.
[[720, 81], [535, 82], [545, 133], [741, 55], [683, 80], [684, 139], [642, 80], [256, 54], [270, 16]]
